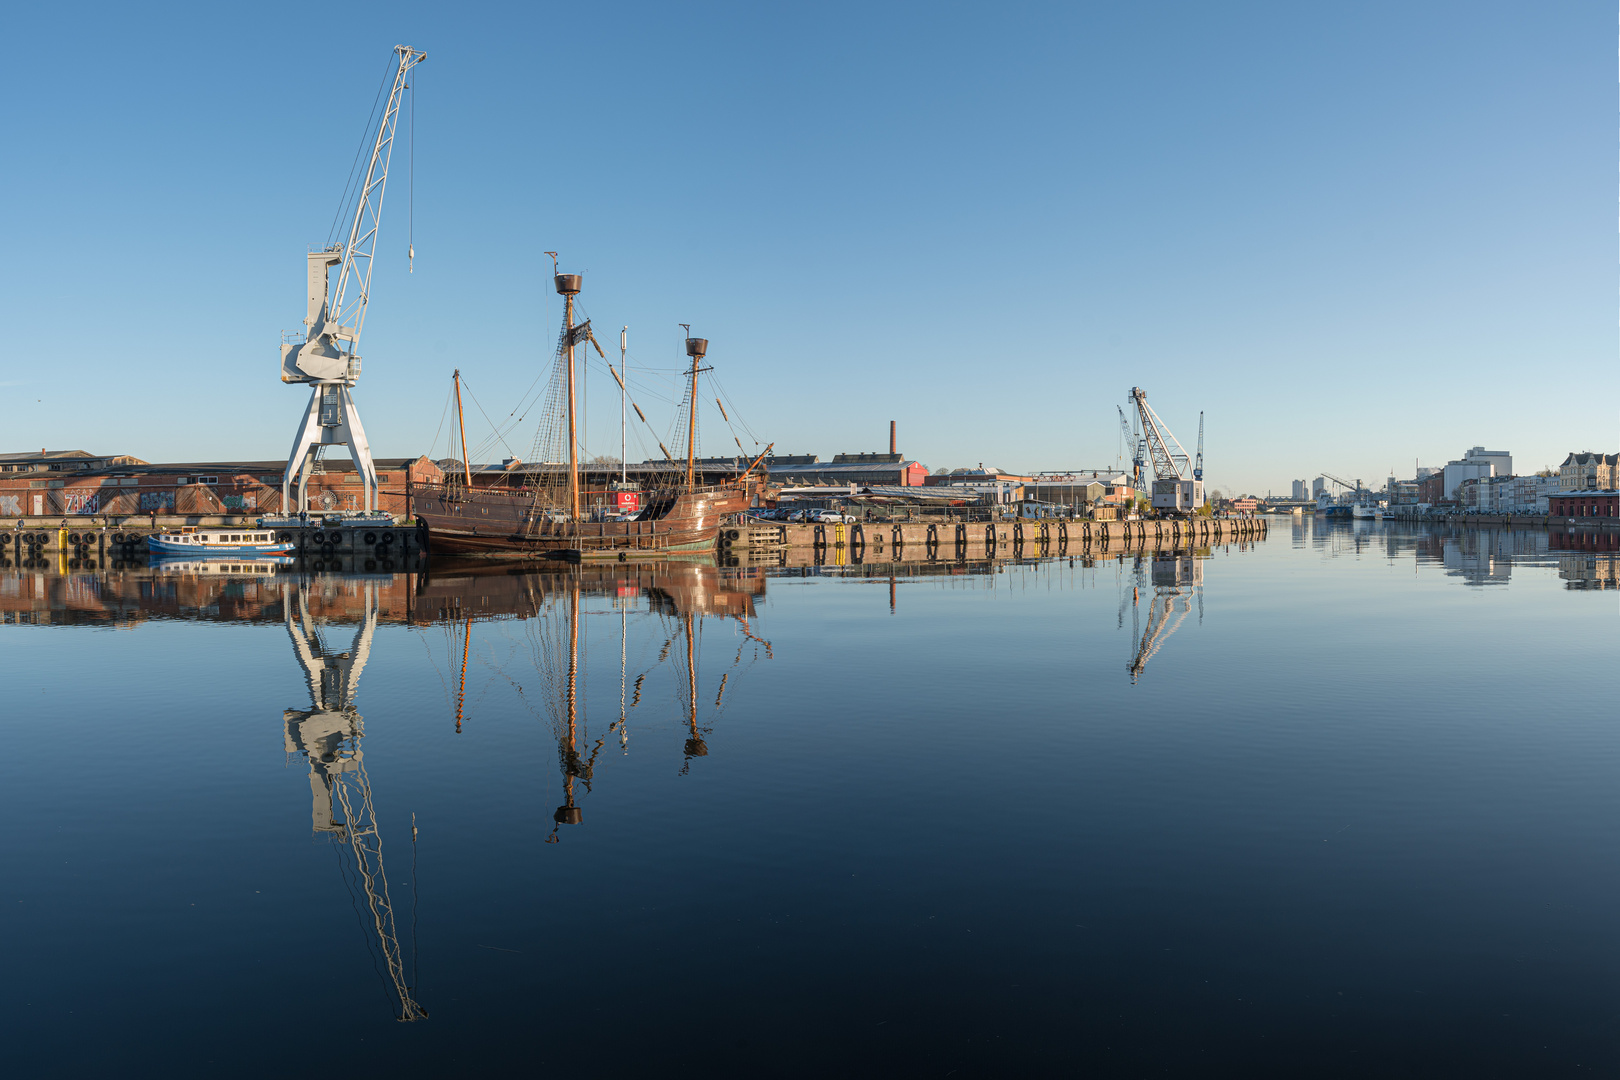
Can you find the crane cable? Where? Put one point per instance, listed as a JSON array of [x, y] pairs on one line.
[[354, 167], [410, 232]]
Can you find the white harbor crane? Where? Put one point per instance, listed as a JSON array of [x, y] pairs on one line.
[[1176, 490], [328, 359]]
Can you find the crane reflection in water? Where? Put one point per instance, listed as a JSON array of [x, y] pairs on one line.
[[682, 597], [1170, 582], [329, 735]]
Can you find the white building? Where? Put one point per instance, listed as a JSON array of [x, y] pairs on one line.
[[1508, 494], [1401, 492], [1477, 464]]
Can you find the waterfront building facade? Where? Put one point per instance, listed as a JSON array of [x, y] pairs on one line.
[[1586, 471], [59, 461], [1477, 464], [863, 470], [1580, 504], [204, 489]]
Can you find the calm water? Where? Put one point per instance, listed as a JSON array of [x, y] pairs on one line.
[[1342, 802]]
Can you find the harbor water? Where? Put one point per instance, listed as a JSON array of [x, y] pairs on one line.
[[1336, 800]]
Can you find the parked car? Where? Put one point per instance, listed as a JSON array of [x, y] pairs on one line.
[[832, 517]]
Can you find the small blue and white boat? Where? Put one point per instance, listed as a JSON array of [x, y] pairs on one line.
[[228, 542]]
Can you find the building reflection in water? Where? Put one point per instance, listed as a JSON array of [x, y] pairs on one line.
[[329, 734], [1474, 555]]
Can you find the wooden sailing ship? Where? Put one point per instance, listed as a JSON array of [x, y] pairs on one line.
[[537, 516]]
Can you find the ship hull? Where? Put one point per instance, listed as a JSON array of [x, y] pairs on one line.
[[500, 523]]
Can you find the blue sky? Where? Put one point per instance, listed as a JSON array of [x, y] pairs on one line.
[[1354, 235]]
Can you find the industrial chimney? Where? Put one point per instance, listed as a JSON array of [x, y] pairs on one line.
[[892, 449]]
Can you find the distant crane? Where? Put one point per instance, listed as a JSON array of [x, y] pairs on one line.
[[1175, 489], [328, 358], [1138, 451], [1354, 487], [1198, 465]]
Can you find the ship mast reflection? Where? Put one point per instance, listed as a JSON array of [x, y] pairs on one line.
[[550, 602]]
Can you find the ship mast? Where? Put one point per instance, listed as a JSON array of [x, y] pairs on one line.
[[461, 422], [696, 347], [624, 349], [568, 286]]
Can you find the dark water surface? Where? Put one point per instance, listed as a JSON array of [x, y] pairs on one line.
[[1339, 803]]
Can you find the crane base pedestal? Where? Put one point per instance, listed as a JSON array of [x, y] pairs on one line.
[[330, 419]]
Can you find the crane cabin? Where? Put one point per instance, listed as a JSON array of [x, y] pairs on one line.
[[1178, 496]]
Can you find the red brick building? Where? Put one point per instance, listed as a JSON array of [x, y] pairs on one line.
[[1579, 504], [199, 489]]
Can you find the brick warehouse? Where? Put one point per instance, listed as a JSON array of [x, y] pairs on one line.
[[1576, 504], [66, 484]]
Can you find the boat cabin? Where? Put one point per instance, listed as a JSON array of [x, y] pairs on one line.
[[191, 535]]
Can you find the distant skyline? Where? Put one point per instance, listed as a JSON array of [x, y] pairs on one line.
[[1355, 237]]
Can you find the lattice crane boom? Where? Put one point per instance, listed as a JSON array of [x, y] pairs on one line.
[[335, 317], [1169, 459], [1352, 485]]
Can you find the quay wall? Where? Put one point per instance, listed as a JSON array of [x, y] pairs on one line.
[[1515, 521], [897, 542], [1018, 533], [357, 548]]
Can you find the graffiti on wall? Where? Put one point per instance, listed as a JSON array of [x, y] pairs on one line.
[[241, 502], [10, 504], [156, 500], [81, 502]]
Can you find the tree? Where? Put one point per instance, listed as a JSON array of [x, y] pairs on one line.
[[942, 471], [604, 459]]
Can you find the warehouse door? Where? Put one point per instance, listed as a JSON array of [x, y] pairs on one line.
[[39, 506]]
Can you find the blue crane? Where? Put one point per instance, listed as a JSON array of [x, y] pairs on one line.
[[1198, 466]]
